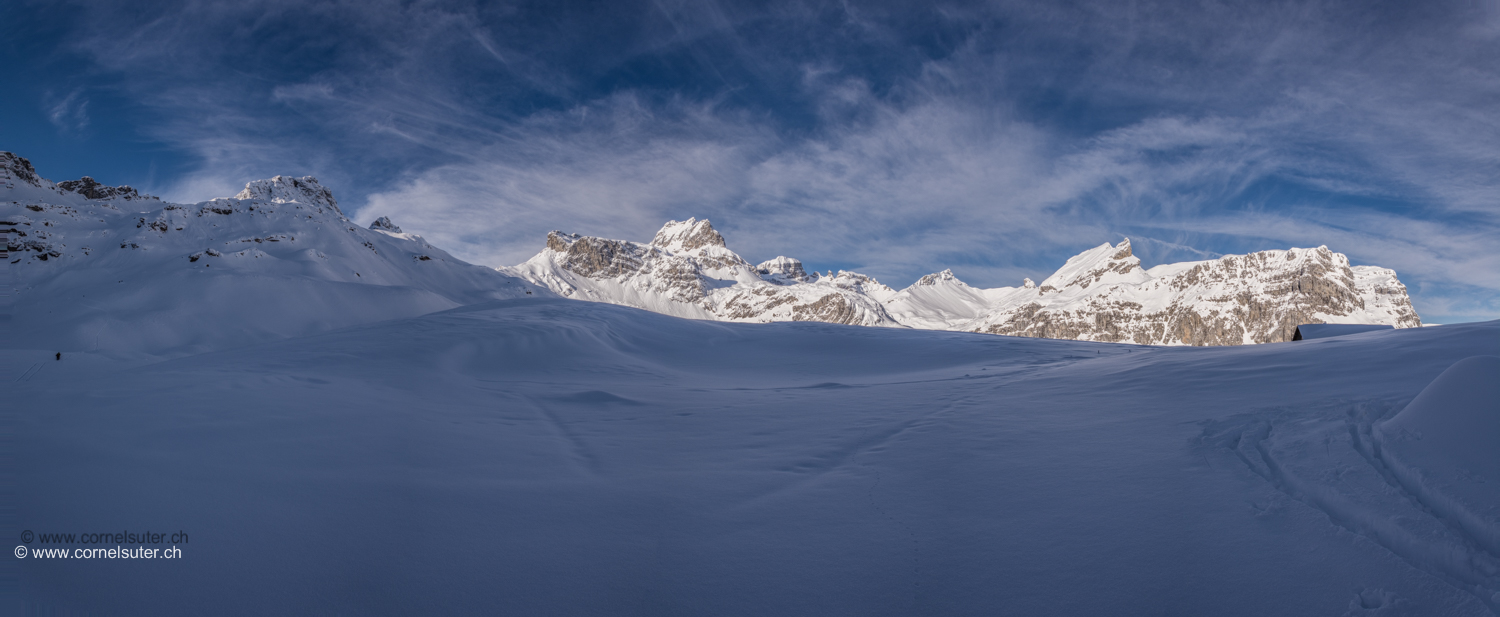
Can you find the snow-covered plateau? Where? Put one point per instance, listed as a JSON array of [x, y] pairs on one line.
[[1102, 294], [344, 420]]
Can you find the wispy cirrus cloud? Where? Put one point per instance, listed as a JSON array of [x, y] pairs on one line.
[[69, 114]]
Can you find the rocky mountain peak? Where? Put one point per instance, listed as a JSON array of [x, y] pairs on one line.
[[384, 224], [286, 189], [937, 277], [18, 169], [1028, 283], [1101, 264], [784, 268], [687, 235]]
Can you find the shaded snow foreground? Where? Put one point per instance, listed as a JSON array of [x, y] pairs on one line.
[[550, 456]]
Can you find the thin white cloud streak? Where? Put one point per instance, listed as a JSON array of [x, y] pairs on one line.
[[70, 114]]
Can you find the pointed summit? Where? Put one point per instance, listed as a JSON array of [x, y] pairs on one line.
[[18, 169], [687, 235], [938, 277], [1104, 263]]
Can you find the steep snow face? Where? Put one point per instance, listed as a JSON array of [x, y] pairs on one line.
[[688, 271], [129, 272], [1102, 294]]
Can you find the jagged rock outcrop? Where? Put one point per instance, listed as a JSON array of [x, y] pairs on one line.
[[14, 169], [286, 189], [1102, 294], [384, 224], [784, 270], [19, 177], [92, 189]]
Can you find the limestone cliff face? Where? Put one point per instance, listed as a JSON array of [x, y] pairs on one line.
[[1238, 299], [1102, 294]]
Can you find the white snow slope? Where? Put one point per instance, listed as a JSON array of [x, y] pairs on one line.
[[1102, 294], [111, 270], [558, 457]]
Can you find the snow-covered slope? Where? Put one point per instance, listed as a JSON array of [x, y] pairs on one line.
[[1102, 294], [529, 457], [106, 268]]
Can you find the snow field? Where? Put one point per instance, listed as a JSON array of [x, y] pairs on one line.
[[557, 457]]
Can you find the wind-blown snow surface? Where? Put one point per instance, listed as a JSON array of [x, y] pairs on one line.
[[546, 456]]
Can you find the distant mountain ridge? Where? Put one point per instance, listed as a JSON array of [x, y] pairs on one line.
[[1102, 294]]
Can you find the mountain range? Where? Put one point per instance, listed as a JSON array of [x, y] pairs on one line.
[[110, 266], [1102, 294]]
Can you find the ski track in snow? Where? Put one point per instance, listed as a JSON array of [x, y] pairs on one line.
[[873, 439], [1430, 541]]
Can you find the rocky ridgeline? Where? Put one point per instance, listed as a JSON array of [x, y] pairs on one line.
[[1257, 298], [1102, 294]]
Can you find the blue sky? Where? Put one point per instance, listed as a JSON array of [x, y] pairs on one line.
[[896, 139]]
